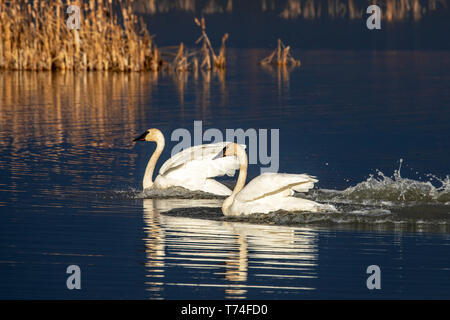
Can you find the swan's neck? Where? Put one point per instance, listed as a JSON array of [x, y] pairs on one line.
[[243, 163], [147, 182]]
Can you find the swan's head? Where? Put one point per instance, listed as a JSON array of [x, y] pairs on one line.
[[152, 134]]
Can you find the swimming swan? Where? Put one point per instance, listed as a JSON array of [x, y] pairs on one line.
[[268, 192], [192, 168]]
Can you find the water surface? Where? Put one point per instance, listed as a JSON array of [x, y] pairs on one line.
[[70, 180]]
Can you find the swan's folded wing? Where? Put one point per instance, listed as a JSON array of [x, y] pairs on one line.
[[220, 167], [273, 183], [205, 152]]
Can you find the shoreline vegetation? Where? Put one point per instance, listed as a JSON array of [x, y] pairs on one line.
[[395, 10], [34, 36]]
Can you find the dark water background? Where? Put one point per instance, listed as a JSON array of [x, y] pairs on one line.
[[70, 178], [305, 24]]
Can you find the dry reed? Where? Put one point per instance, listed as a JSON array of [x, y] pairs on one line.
[[281, 56], [219, 61], [34, 36]]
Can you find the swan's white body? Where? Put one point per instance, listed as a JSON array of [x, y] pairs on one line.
[[271, 192], [268, 192], [193, 168]]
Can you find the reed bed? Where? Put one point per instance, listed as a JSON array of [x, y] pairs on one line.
[[34, 36]]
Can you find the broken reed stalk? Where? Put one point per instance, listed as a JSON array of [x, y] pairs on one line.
[[281, 56], [219, 61], [34, 36], [191, 60]]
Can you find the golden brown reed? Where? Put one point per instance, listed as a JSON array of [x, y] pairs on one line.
[[219, 61], [34, 36], [281, 56]]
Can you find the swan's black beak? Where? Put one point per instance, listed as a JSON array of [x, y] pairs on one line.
[[221, 154], [141, 137]]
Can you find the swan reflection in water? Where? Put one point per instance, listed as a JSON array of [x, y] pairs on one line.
[[245, 259]]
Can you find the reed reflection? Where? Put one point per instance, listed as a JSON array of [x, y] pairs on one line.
[[282, 73], [60, 130], [201, 85], [51, 107], [237, 257]]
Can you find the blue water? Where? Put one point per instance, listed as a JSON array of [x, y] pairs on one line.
[[70, 179]]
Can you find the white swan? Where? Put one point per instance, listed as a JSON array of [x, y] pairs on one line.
[[268, 192], [192, 168]]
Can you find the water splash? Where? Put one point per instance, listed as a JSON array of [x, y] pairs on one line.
[[386, 191], [398, 189]]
